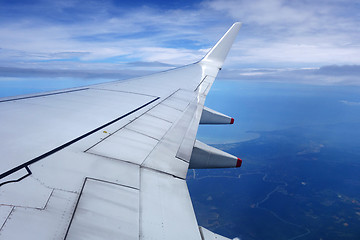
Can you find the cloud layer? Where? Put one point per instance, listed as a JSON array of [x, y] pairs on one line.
[[326, 75], [104, 35]]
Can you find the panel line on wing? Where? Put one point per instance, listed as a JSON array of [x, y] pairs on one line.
[[42, 95], [105, 181], [73, 141], [113, 90], [159, 117], [8, 215], [76, 205], [87, 201], [135, 138], [142, 133], [112, 158], [19, 179], [147, 112], [200, 83], [163, 172]]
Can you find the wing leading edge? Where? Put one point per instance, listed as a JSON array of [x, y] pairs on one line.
[[109, 161]]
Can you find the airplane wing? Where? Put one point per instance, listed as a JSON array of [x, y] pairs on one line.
[[109, 161]]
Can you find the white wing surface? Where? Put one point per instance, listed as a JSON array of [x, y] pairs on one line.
[[108, 161]]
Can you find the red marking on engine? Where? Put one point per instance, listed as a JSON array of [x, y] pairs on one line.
[[239, 162]]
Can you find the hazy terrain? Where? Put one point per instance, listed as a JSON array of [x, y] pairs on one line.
[[299, 180]]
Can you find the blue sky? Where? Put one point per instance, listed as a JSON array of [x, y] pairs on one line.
[[302, 41]]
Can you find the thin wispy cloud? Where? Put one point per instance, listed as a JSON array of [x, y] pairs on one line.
[[350, 103], [326, 75]]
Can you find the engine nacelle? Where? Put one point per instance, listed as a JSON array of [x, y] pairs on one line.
[[205, 156], [210, 116]]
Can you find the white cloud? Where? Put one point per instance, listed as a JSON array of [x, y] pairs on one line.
[[263, 12], [280, 32], [139, 33], [275, 34]]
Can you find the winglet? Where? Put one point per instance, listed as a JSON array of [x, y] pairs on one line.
[[216, 56]]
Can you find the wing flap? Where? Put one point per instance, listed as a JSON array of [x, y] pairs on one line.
[[115, 206], [151, 126], [125, 145], [164, 156], [160, 214]]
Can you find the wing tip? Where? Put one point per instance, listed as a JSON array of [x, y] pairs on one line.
[[216, 56], [237, 24]]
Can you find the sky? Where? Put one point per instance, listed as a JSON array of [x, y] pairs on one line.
[[310, 42]]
